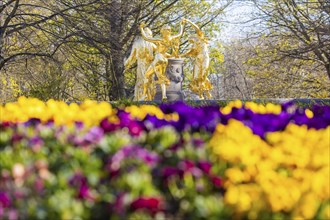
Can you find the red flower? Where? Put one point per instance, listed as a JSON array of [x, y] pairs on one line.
[[152, 205], [217, 181]]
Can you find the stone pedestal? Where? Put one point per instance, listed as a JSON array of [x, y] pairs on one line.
[[174, 72]]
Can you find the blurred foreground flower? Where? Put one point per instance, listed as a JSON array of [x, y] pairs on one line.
[[241, 161]]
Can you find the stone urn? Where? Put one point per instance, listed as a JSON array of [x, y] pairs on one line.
[[174, 72]]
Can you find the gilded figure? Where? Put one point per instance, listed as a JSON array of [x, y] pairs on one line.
[[142, 53], [158, 65], [200, 53]]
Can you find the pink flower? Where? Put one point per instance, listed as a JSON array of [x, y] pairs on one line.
[[188, 166], [83, 192], [39, 185]]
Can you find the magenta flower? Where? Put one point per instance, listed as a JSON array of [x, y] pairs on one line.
[[80, 182], [168, 172], [205, 166], [126, 121], [108, 127], [5, 200], [84, 192], [134, 128]]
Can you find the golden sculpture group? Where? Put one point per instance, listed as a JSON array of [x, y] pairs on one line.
[[152, 54]]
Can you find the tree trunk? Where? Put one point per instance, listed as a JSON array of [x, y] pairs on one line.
[[117, 90], [2, 63], [327, 67]]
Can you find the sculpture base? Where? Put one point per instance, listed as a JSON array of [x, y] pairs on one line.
[[174, 72]]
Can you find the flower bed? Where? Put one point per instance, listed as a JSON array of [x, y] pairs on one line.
[[244, 161]]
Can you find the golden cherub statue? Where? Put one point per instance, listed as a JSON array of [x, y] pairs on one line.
[[153, 55], [158, 65], [199, 51], [143, 54]]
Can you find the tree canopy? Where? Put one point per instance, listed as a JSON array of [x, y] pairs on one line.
[[85, 42], [75, 49]]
